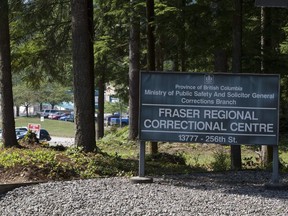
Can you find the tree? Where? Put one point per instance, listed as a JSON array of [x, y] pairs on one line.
[[134, 70], [110, 52], [41, 41], [150, 35], [82, 48], [24, 96], [52, 93], [8, 123], [151, 51]]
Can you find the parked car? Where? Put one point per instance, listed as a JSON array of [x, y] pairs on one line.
[[56, 116], [107, 119], [23, 128], [69, 117], [116, 121], [45, 113], [44, 135], [20, 134]]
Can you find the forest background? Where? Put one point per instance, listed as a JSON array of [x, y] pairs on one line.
[[192, 36]]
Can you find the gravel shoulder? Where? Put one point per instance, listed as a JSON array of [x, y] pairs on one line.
[[231, 193]]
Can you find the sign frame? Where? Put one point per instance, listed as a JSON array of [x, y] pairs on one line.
[[231, 76]]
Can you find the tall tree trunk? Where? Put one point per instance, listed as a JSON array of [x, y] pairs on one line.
[[27, 110], [220, 60], [150, 14], [8, 123], [100, 115], [183, 37], [159, 54], [176, 66], [84, 96], [266, 51], [236, 163], [17, 111], [151, 51], [134, 70]]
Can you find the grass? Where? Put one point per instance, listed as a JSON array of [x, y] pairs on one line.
[[54, 127]]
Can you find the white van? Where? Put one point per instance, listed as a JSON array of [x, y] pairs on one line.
[[45, 113]]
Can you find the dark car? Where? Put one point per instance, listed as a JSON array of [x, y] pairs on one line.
[[44, 135]]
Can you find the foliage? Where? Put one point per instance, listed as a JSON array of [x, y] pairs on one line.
[[54, 93], [117, 157], [40, 40], [221, 161], [13, 156], [24, 96], [115, 143], [30, 138], [113, 107], [111, 44]]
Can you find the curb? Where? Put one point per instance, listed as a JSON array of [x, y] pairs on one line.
[[4, 188]]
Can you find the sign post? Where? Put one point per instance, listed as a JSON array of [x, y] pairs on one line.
[[142, 159], [141, 178], [275, 174]]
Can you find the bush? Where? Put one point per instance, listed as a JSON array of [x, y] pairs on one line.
[[221, 161], [30, 138]]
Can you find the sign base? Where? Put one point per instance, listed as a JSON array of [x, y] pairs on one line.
[[141, 180]]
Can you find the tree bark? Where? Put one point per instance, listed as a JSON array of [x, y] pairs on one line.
[[17, 111], [134, 70], [151, 52], [183, 37], [8, 122], [100, 115], [150, 35], [266, 49], [83, 74], [220, 63]]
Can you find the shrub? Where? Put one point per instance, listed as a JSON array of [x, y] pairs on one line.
[[221, 161]]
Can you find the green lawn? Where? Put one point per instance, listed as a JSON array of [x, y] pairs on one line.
[[54, 127]]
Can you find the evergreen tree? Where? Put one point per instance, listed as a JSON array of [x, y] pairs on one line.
[[84, 105], [134, 70], [8, 123]]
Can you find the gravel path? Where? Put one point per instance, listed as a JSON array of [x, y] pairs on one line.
[[65, 141], [231, 193]]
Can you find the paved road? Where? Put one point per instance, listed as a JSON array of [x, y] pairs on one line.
[[65, 141]]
